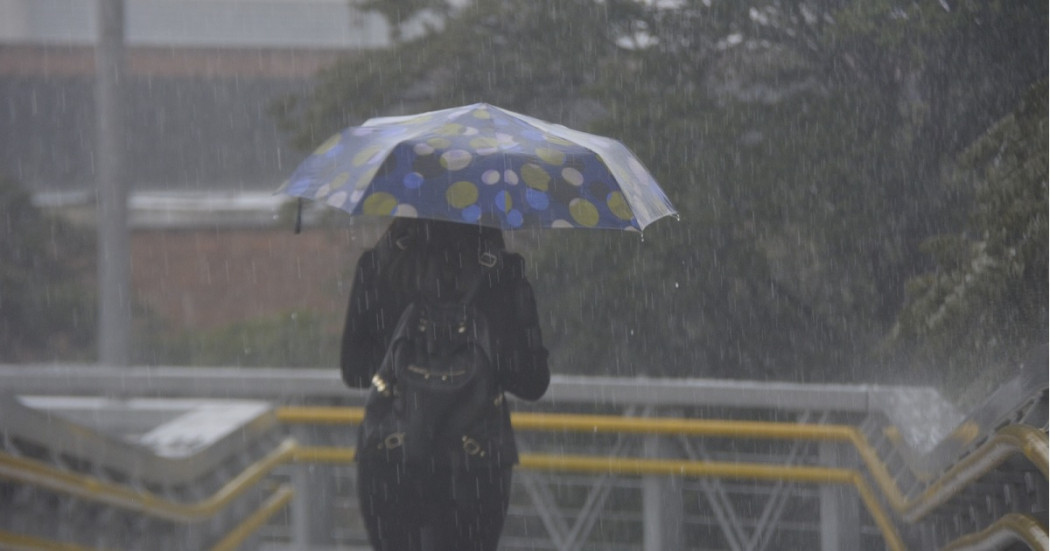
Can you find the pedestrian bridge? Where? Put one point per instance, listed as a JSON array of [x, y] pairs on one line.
[[160, 458]]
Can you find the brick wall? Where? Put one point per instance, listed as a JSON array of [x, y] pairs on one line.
[[208, 278]]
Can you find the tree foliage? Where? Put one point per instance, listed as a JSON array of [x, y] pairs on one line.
[[985, 302], [803, 143], [46, 313]]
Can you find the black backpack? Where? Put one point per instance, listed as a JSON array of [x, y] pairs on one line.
[[437, 378]]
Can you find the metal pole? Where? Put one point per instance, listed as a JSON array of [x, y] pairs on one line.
[[114, 265], [839, 510], [662, 512]]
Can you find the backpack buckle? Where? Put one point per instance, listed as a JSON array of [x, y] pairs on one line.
[[393, 440], [380, 385], [488, 259], [472, 447]]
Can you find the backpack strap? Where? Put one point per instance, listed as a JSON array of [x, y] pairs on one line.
[[487, 261]]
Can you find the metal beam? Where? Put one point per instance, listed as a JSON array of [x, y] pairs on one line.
[[293, 384]]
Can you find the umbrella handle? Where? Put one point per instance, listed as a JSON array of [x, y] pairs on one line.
[[299, 216]]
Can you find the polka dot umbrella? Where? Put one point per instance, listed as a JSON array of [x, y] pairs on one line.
[[480, 164]]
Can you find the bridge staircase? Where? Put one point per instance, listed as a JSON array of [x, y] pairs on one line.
[[187, 458]]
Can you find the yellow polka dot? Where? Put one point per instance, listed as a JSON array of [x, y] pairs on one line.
[[484, 142], [618, 205], [439, 143], [366, 178], [419, 119], [450, 129], [461, 194], [481, 114], [366, 155], [328, 145], [550, 156], [339, 181], [556, 140], [506, 200], [381, 203], [455, 159], [535, 177], [583, 212]]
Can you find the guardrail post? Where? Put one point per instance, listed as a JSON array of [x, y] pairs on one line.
[[839, 511], [312, 505], [662, 513]]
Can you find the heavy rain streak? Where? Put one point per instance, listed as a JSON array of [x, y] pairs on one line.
[[523, 274]]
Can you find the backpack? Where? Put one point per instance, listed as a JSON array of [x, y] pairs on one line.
[[437, 378]]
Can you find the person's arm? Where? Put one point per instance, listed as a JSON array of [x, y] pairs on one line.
[[526, 373], [362, 346]]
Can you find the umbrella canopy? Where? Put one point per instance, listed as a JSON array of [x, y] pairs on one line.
[[484, 165]]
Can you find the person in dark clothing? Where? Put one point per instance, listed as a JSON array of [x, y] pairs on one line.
[[452, 504]]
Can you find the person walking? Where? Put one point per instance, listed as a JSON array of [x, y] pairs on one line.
[[455, 499]]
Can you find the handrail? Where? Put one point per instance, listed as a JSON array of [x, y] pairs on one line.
[[248, 526], [1012, 526], [21, 542], [1028, 441], [232, 540], [89, 487], [289, 451], [1032, 443], [669, 467]]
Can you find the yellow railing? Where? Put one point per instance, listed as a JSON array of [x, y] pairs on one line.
[[146, 503], [1007, 529], [10, 541], [256, 520], [1027, 441], [1032, 443]]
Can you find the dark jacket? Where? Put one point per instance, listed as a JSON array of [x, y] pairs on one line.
[[389, 276]]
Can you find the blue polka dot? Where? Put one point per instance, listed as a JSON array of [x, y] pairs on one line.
[[515, 219], [537, 199], [471, 214], [412, 180], [502, 201]]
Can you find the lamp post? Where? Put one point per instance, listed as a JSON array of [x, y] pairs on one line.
[[114, 265]]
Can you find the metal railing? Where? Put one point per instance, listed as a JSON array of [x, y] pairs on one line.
[[1024, 441], [908, 507]]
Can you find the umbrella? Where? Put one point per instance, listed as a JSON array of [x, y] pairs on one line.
[[483, 165]]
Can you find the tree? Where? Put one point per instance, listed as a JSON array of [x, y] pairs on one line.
[[802, 141], [45, 312], [985, 303]]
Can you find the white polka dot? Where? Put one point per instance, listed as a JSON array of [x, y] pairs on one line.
[[423, 148], [572, 176], [490, 177], [456, 159], [561, 224], [510, 177], [337, 199], [405, 210]]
